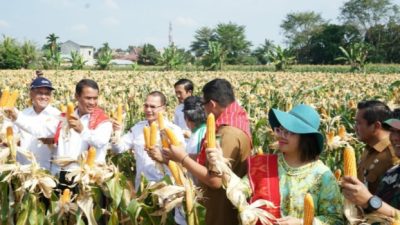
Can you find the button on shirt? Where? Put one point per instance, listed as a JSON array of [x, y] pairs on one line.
[[31, 126], [134, 139], [74, 144]]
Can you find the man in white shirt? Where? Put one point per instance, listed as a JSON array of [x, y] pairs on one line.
[[183, 89], [155, 103], [36, 125], [89, 126]]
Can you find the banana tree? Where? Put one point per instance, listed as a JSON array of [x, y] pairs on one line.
[[281, 58], [355, 56]]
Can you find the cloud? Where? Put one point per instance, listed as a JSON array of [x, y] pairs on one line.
[[110, 21], [111, 4], [3, 24], [185, 21], [81, 28]]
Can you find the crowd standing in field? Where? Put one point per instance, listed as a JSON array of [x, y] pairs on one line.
[[283, 179]]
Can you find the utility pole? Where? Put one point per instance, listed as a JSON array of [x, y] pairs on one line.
[[170, 40]]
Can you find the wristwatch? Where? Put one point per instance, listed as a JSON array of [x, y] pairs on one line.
[[374, 203]]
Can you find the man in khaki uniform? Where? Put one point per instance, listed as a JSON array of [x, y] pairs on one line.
[[378, 155]]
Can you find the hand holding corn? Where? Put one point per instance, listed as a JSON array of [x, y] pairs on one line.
[[355, 191]]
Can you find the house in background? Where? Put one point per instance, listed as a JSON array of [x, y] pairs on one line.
[[85, 51]]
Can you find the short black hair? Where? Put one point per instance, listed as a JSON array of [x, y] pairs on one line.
[[309, 150], [194, 111], [375, 111], [85, 83], [160, 95], [396, 113], [187, 84], [219, 90]]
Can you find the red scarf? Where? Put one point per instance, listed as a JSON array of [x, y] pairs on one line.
[[235, 116], [96, 117], [264, 181]]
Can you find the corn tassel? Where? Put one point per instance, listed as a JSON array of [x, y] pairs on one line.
[[12, 99], [70, 110], [119, 113], [4, 98], [308, 209], [338, 174], [211, 142], [66, 196], [153, 134], [91, 157], [146, 134], [349, 167]]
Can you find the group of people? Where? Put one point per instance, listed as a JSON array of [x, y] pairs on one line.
[[282, 178]]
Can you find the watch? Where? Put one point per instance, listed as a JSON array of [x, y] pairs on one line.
[[374, 203]]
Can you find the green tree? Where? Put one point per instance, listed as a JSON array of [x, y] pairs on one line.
[[281, 58], [10, 54], [29, 53], [355, 56], [261, 52], [385, 43], [202, 37], [52, 44], [233, 41], [77, 61], [104, 59], [148, 55], [171, 58], [215, 56]]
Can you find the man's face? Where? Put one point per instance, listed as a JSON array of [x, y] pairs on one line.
[[151, 107], [40, 98], [363, 130], [181, 93], [395, 140], [87, 100]]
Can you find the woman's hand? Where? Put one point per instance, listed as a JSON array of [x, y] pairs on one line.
[[288, 220], [156, 154], [175, 153], [214, 155]]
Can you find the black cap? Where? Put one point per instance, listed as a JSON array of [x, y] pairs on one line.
[[41, 82]]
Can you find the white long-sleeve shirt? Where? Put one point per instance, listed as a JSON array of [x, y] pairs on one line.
[[179, 117], [74, 144], [134, 139], [31, 126]]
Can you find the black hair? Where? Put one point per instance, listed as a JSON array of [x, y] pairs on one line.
[[160, 95], [309, 148], [375, 111], [85, 83], [219, 90], [187, 84], [396, 113], [194, 110]]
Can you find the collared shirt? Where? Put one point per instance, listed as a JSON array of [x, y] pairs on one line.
[[374, 162], [389, 187], [179, 117], [134, 139], [31, 126], [72, 144]]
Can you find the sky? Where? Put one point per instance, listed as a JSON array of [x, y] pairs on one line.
[[135, 22]]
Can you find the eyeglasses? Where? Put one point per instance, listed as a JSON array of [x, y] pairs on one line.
[[282, 132], [151, 106]]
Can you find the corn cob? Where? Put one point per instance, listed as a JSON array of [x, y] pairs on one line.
[[91, 156], [189, 202], [175, 171], [66, 196], [153, 134], [338, 174], [330, 136], [9, 134], [260, 151], [160, 120], [63, 108], [349, 167], [70, 110], [119, 113], [146, 134], [10, 142], [308, 209], [12, 99], [4, 98], [171, 137], [342, 132], [211, 131]]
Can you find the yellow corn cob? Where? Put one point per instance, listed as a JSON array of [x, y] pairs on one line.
[[9, 134], [176, 172], [160, 120], [119, 113], [342, 132], [338, 174], [70, 109], [66, 196], [260, 151], [189, 202], [349, 157], [308, 209], [63, 108], [91, 156], [12, 99], [11, 144], [153, 134], [211, 131], [171, 137], [146, 134], [4, 97], [330, 136]]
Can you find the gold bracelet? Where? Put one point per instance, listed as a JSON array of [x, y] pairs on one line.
[[183, 159]]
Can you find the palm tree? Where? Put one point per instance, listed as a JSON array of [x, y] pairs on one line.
[[52, 43], [104, 59]]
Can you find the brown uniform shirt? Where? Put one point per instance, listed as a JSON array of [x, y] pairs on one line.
[[374, 162], [236, 146]]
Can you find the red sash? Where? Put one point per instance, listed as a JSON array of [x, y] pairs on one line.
[[234, 115], [96, 117], [264, 181]]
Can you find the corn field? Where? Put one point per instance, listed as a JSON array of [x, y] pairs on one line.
[[106, 193]]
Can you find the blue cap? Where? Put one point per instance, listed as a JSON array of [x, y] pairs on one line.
[[41, 82]]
